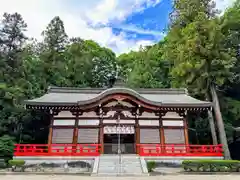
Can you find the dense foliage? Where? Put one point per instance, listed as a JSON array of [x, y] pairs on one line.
[[200, 51]]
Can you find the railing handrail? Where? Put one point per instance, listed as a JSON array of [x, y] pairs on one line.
[[57, 149], [192, 145], [94, 150], [179, 150]]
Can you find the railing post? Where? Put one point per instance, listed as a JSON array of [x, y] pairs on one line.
[[24, 149], [17, 148], [172, 148], [141, 150]]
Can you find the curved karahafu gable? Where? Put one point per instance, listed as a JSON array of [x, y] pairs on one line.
[[89, 96]]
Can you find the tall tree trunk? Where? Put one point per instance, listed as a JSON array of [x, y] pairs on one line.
[[219, 120], [212, 127], [212, 123]]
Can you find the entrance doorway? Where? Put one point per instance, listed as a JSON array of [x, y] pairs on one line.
[[123, 142]]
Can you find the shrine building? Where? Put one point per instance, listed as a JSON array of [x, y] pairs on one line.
[[95, 121]]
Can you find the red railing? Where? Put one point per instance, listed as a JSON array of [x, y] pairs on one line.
[[57, 150], [94, 150], [179, 150]]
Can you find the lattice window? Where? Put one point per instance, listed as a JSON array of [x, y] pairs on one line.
[[174, 136], [62, 136], [88, 135], [149, 136]]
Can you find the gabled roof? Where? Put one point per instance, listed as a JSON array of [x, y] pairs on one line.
[[82, 96]]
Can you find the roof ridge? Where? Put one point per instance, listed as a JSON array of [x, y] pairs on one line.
[[55, 89]]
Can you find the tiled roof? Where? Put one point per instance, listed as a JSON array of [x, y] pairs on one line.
[[81, 96]]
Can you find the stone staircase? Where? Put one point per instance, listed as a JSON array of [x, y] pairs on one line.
[[120, 165]]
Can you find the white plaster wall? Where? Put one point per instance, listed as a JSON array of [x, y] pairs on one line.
[[64, 114], [149, 122], [89, 114], [172, 115], [173, 123], [88, 122], [69, 122], [148, 114]]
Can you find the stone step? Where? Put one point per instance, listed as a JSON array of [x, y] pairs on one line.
[[125, 166]]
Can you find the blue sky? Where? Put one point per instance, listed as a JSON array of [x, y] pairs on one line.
[[121, 25]]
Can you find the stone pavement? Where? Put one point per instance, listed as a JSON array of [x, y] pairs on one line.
[[167, 177]]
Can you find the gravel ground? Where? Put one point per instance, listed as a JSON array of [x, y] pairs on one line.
[[168, 177]]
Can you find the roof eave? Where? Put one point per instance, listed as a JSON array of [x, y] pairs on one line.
[[175, 105]]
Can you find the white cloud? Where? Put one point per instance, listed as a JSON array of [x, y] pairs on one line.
[[222, 5], [76, 16], [107, 10], [134, 29]]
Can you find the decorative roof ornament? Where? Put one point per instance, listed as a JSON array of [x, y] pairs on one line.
[[115, 81], [119, 82]]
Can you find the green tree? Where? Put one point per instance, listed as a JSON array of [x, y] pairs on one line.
[[200, 60], [89, 64], [6, 147], [52, 55], [146, 68], [12, 39], [149, 69]]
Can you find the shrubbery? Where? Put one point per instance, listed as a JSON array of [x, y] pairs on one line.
[[211, 165], [16, 162], [151, 165]]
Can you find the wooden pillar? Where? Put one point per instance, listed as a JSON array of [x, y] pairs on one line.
[[186, 130], [50, 129], [161, 131], [160, 114], [101, 134], [101, 129], [137, 133], [75, 131]]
